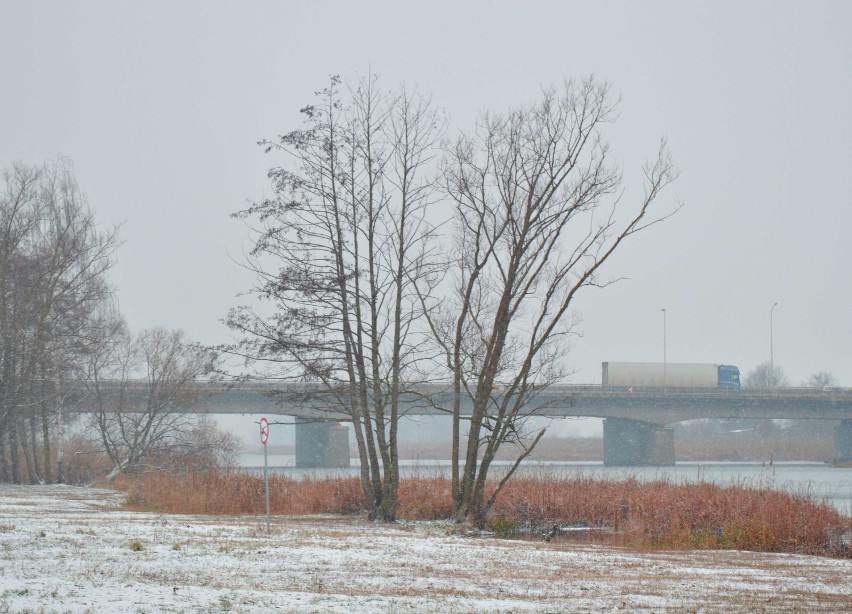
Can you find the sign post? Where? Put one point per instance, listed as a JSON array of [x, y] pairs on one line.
[[264, 437]]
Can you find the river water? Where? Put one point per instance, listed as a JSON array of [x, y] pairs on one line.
[[818, 481]]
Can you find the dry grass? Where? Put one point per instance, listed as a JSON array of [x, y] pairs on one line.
[[240, 493], [655, 514], [665, 514]]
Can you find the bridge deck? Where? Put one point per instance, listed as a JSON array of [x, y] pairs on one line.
[[653, 405]]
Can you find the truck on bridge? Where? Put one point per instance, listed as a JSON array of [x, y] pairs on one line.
[[669, 375]]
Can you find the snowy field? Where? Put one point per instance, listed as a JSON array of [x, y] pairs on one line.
[[66, 549]]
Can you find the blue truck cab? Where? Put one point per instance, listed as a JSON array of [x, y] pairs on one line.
[[729, 377]]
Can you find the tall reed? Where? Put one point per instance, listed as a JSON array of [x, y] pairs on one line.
[[639, 514]]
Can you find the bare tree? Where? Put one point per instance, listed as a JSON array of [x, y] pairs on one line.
[[337, 252], [765, 375], [821, 379], [535, 201], [53, 266], [141, 390]]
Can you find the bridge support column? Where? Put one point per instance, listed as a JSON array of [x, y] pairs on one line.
[[321, 444], [634, 442], [843, 443]]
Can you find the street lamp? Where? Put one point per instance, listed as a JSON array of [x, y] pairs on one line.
[[664, 348], [771, 343]]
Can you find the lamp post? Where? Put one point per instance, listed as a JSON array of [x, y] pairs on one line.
[[771, 343], [664, 348]]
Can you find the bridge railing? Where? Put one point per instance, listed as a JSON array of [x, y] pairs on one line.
[[554, 390]]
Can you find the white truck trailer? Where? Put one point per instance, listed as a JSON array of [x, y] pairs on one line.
[[669, 375]]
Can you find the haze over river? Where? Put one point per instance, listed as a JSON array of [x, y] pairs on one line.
[[819, 481]]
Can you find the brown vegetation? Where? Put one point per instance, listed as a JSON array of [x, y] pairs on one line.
[[241, 493], [746, 446], [658, 514]]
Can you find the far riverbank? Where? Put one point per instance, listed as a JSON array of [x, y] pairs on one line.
[[818, 481]]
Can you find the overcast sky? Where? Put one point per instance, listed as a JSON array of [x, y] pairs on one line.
[[160, 105]]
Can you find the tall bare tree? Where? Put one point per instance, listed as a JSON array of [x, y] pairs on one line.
[[536, 215], [337, 252], [140, 389], [53, 265]]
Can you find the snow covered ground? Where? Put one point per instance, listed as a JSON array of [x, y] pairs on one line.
[[66, 549]]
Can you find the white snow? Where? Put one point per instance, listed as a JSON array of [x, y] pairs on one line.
[[67, 549]]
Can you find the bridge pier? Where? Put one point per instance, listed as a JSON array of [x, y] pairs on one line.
[[843, 443], [635, 442], [321, 444]]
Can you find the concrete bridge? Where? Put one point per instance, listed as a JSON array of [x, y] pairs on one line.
[[637, 422]]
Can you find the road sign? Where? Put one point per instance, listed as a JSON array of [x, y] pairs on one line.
[[264, 437], [264, 431]]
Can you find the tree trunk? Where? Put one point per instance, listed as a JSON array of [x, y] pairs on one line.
[[14, 459], [45, 437], [21, 425], [37, 474], [366, 482], [5, 476], [60, 450], [110, 477]]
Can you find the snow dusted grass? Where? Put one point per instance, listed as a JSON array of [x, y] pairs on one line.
[[66, 549], [642, 515]]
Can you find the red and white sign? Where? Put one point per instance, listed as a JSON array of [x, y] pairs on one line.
[[264, 431]]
